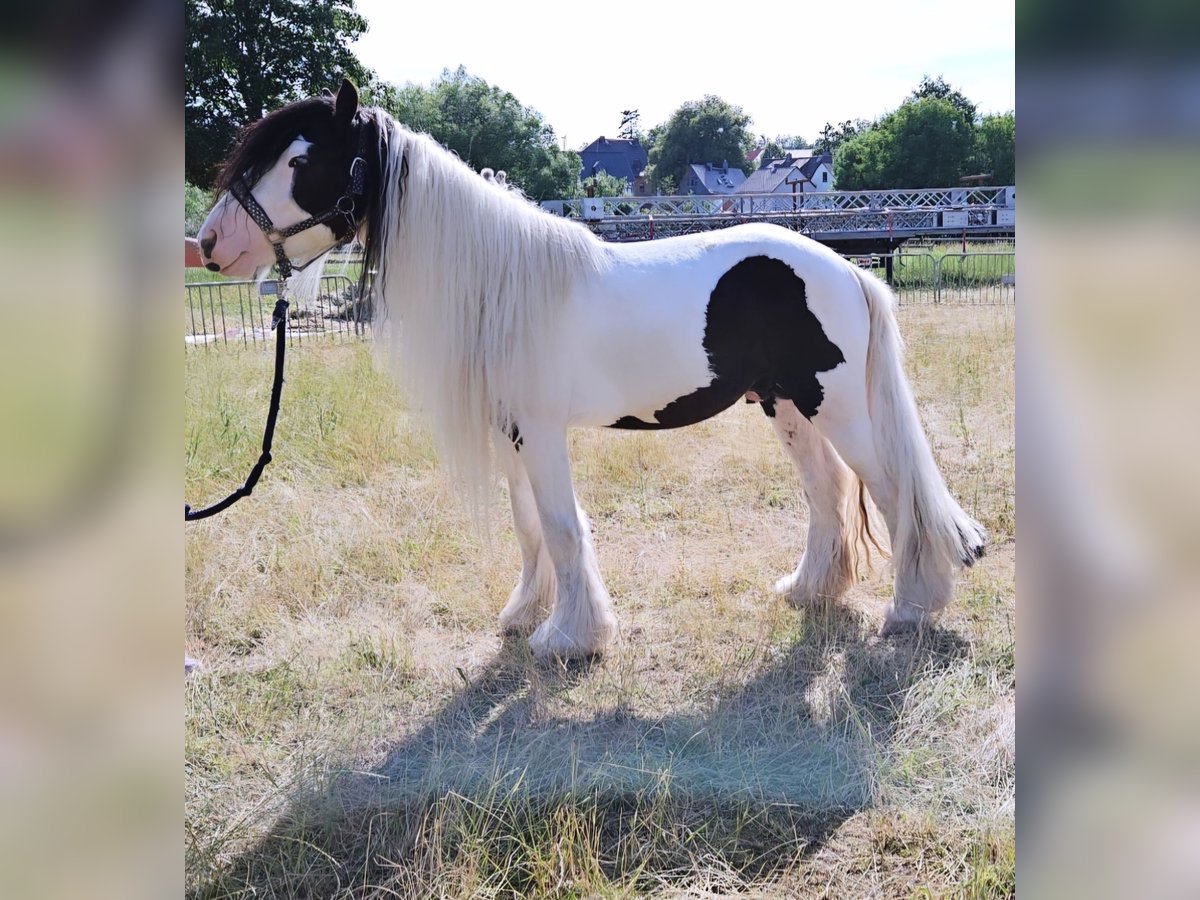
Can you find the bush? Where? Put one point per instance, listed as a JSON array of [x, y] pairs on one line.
[[196, 204]]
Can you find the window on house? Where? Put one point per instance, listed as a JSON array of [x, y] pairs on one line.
[[824, 177]]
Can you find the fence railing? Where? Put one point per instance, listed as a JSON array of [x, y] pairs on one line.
[[916, 199], [239, 312], [976, 278]]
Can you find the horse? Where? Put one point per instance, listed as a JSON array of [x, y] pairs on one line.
[[510, 325]]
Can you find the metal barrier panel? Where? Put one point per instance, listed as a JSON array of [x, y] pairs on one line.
[[973, 278], [979, 278], [239, 312], [912, 276]]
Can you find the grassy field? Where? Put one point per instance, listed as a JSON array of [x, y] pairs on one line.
[[360, 729]]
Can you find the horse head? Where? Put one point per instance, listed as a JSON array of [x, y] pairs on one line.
[[299, 182]]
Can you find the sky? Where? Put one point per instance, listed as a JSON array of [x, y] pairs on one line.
[[792, 68]]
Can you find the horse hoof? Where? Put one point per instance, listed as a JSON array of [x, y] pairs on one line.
[[786, 585], [899, 622], [548, 643]]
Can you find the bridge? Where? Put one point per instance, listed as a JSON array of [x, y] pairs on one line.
[[848, 221]]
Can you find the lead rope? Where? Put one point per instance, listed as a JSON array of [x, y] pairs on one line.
[[279, 325]]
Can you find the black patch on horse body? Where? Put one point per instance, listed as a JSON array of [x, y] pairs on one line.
[[759, 335], [514, 435]]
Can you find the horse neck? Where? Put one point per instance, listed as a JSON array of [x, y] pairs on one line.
[[455, 230]]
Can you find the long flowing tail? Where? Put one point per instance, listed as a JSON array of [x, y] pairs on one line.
[[931, 534]]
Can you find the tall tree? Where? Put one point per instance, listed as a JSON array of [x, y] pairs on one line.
[[833, 135], [631, 124], [939, 88], [710, 130], [927, 142], [995, 148], [244, 58], [485, 126]]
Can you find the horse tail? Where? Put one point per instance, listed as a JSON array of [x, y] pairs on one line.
[[931, 534]]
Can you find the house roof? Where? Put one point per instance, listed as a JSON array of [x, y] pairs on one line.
[[619, 157], [772, 174], [795, 164], [718, 179]]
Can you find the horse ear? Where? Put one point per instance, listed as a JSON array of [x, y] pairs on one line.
[[346, 104]]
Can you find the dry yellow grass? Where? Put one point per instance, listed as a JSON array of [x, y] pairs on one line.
[[360, 729]]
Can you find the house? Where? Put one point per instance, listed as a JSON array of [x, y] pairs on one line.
[[798, 171], [709, 179], [619, 157]]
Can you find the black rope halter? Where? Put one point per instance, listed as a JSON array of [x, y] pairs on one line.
[[345, 206]]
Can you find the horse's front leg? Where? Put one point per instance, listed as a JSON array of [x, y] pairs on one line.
[[582, 621], [534, 594]]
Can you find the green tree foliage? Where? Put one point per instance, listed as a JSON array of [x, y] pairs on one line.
[[833, 136], [996, 148], [927, 142], [605, 186], [939, 88], [710, 130], [485, 126], [196, 203], [244, 58]]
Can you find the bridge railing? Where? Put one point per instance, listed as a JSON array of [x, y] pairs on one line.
[[895, 200]]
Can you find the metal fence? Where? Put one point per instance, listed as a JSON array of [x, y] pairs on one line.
[[239, 312], [975, 278]]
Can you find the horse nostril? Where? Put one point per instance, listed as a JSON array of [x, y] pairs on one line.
[[212, 267], [208, 242]]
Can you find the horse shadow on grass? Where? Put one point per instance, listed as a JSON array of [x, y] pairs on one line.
[[507, 790]]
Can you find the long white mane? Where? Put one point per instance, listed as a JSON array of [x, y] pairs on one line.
[[472, 279]]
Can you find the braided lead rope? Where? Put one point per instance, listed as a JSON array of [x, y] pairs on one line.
[[279, 324]]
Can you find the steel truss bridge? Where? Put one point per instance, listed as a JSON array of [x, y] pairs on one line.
[[848, 220]]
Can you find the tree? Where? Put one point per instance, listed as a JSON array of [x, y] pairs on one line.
[[925, 143], [773, 148], [485, 126], [832, 136], [710, 130], [631, 124], [863, 160], [605, 186], [244, 58], [995, 148], [938, 88], [196, 204]]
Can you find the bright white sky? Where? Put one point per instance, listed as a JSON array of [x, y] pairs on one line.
[[792, 67]]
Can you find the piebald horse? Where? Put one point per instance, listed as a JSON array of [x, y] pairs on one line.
[[511, 325]]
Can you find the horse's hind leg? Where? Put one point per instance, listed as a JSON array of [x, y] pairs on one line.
[[533, 596], [826, 569], [582, 621]]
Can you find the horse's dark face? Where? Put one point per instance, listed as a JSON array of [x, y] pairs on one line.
[[297, 161]]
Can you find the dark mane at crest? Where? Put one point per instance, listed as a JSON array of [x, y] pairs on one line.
[[379, 132], [261, 142]]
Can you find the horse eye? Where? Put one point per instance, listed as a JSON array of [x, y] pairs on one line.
[[298, 162]]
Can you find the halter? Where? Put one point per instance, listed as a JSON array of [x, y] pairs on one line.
[[344, 207]]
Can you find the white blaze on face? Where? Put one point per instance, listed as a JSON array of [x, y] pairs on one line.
[[241, 248]]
